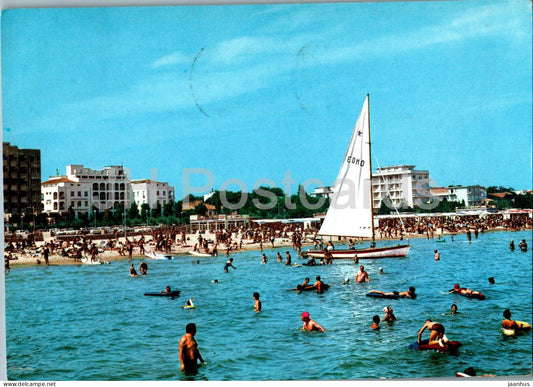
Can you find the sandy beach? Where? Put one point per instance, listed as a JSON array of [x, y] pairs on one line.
[[32, 257]]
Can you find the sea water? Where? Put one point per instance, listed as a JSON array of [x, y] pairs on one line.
[[92, 322]]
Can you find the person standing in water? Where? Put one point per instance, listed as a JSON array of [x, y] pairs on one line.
[[228, 265], [188, 350], [257, 303]]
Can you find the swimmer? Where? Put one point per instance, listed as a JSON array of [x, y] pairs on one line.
[[375, 324], [309, 324], [167, 290], [389, 315], [257, 303], [346, 281], [264, 259], [436, 334], [464, 291], [380, 270], [491, 281], [453, 310], [133, 272], [437, 256], [407, 294], [189, 304], [507, 323], [362, 275]]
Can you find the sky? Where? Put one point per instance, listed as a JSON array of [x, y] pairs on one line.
[[268, 94]]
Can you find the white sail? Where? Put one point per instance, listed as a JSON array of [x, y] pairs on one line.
[[350, 210]]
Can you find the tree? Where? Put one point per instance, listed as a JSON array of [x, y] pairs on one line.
[[145, 211], [156, 212], [133, 212]]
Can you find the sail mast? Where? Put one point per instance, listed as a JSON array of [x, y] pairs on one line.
[[370, 167]]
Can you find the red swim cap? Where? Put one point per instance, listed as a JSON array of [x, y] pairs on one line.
[[305, 315]]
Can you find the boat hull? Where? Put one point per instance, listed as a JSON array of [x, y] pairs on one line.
[[372, 252], [153, 255]]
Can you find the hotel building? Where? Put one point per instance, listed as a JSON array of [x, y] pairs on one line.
[[82, 188]]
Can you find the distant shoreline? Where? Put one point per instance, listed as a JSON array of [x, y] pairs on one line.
[[182, 251]]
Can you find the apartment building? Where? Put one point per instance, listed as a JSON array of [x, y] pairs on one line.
[[152, 193], [22, 181], [400, 186]]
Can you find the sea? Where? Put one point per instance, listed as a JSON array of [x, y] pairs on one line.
[[93, 322]]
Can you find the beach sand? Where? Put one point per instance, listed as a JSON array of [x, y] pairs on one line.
[[109, 255]]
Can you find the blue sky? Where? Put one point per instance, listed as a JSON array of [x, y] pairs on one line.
[[251, 92]]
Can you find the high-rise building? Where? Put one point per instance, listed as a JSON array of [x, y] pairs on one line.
[[400, 186], [22, 181]]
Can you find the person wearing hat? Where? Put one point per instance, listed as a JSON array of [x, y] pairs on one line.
[[389, 315], [309, 324]]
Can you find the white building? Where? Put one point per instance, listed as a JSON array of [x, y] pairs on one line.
[[152, 192], [400, 186], [82, 188], [473, 195]]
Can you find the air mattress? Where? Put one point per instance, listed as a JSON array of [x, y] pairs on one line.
[[380, 295], [174, 293], [450, 346]]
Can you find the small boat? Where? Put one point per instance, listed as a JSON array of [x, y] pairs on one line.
[[154, 255], [351, 211], [89, 261], [199, 254]]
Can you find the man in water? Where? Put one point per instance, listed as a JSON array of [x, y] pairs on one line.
[[507, 323], [309, 324], [288, 261], [465, 291], [257, 303], [362, 275], [409, 293], [303, 286], [375, 323], [437, 255], [228, 265], [436, 334], [143, 268], [188, 350], [318, 285]]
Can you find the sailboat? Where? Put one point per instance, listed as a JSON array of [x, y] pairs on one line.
[[350, 213]]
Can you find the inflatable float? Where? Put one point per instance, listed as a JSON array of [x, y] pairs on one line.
[[393, 296], [174, 293], [522, 327], [450, 346]]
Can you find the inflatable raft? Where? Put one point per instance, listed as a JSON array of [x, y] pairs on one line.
[[522, 327], [174, 293], [450, 346]]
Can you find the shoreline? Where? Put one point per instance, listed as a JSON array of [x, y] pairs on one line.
[[182, 251]]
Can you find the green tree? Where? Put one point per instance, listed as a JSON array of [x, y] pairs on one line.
[[156, 212], [133, 212], [145, 211]]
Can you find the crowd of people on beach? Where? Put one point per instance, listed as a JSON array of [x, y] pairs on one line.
[[174, 239]]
